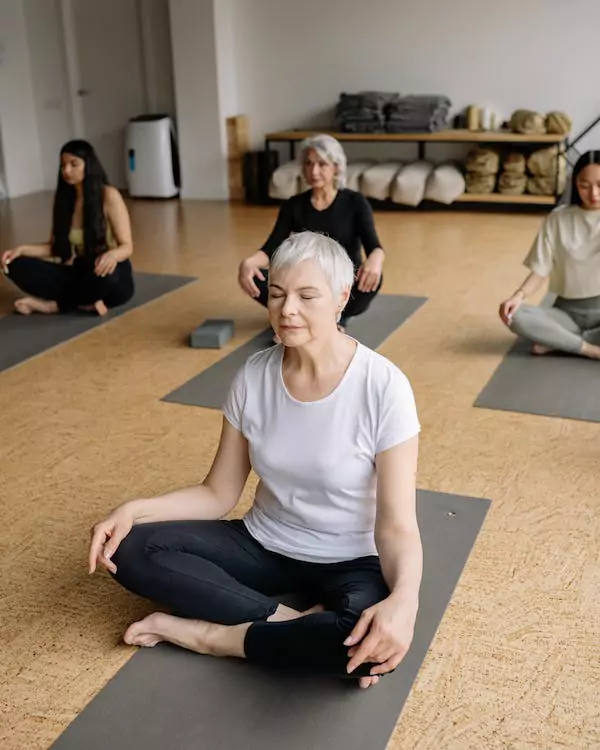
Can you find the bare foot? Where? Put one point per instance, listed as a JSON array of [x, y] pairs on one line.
[[541, 349], [367, 682], [98, 307], [313, 610], [28, 305], [590, 350], [194, 635], [283, 613]]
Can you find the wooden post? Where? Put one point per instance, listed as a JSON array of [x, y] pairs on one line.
[[238, 143]]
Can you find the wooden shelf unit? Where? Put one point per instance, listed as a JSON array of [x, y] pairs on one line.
[[489, 137]]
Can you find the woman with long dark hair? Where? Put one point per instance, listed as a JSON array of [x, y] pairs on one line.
[[90, 244], [567, 252]]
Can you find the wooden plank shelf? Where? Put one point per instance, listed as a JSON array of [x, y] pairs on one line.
[[449, 135], [441, 136], [526, 199]]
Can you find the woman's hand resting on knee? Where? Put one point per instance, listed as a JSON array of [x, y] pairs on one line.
[[251, 268], [382, 635], [509, 307], [8, 256], [106, 537]]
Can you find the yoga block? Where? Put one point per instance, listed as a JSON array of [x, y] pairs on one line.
[[212, 334]]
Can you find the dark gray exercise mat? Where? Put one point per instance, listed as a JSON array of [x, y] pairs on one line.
[[24, 336], [552, 385], [169, 698], [209, 389]]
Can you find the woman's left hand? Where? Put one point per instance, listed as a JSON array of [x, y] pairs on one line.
[[105, 264], [369, 274], [382, 635]]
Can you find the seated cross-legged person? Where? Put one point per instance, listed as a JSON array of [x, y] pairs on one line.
[[567, 252], [90, 244], [331, 429]]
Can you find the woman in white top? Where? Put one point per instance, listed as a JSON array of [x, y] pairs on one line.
[[567, 251], [331, 429]]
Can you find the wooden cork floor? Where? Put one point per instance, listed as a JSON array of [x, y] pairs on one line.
[[515, 662]]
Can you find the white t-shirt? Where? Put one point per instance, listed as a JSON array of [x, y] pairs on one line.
[[316, 499], [567, 249]]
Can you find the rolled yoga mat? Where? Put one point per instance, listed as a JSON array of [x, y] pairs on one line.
[[24, 336], [209, 389], [552, 385], [165, 697]]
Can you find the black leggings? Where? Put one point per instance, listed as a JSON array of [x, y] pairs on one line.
[[357, 304], [72, 286], [216, 571]]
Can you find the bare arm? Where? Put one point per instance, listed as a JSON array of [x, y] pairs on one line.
[[218, 494], [118, 217], [211, 500], [530, 286], [35, 251], [396, 531], [385, 631]]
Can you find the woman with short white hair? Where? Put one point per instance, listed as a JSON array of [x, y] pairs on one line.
[[331, 429], [333, 209]]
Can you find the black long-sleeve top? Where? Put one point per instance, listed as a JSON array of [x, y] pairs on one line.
[[349, 220]]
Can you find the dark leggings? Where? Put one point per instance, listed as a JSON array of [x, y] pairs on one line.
[[216, 571], [72, 286], [357, 304]]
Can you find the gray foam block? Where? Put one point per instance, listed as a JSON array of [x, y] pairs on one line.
[[166, 698], [212, 334]]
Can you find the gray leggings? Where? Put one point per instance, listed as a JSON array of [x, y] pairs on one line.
[[563, 327]]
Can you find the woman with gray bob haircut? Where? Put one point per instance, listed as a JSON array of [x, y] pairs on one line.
[[331, 429], [333, 209]]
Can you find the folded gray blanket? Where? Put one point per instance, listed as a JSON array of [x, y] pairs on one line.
[[362, 127], [376, 100]]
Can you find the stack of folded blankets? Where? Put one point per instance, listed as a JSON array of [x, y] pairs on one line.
[[418, 114], [363, 112]]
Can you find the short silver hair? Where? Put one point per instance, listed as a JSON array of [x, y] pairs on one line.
[[331, 257], [330, 149]]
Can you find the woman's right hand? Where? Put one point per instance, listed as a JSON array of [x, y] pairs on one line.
[[509, 307], [250, 269], [106, 537], [8, 256]]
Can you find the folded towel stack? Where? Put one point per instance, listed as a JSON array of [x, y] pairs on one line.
[[363, 112], [418, 114]]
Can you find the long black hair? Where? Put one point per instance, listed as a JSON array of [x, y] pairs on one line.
[[94, 221], [590, 157]]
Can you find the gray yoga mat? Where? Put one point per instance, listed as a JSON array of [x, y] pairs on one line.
[[169, 698], [22, 337], [552, 385], [209, 389]]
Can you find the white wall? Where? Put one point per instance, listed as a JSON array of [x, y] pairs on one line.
[[35, 109], [199, 115], [225, 52], [158, 56], [18, 117], [293, 60], [50, 86]]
